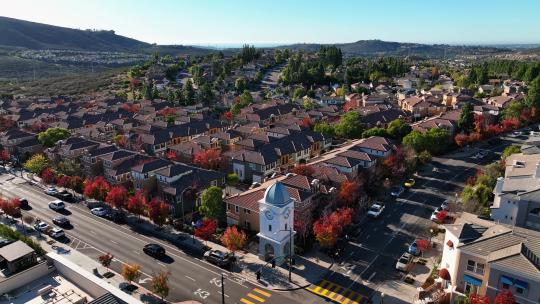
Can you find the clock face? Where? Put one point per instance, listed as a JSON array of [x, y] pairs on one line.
[[269, 215], [287, 213]]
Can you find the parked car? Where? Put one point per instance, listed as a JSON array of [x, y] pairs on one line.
[[515, 134], [444, 205], [57, 233], [409, 183], [57, 205], [435, 215], [92, 203], [99, 211], [42, 226], [404, 261], [61, 221], [23, 203], [397, 191], [375, 210], [51, 191], [413, 249], [534, 133], [218, 257], [154, 250]]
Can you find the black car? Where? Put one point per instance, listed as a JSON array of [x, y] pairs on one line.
[[154, 250], [91, 204], [65, 196], [61, 221], [23, 203], [116, 216], [218, 257]]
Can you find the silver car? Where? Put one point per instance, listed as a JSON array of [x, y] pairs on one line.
[[404, 261]]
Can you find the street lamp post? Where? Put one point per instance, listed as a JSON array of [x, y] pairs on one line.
[[222, 289]]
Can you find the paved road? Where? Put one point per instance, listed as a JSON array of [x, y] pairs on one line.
[[191, 278], [369, 260]]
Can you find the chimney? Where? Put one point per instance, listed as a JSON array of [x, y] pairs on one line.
[[499, 185]]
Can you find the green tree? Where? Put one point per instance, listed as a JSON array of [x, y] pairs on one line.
[[212, 203], [416, 140], [349, 126], [232, 179], [375, 132], [36, 163], [398, 129], [533, 95], [466, 118], [246, 99], [512, 149], [513, 110], [206, 93], [51, 136], [325, 128], [240, 84], [299, 92], [189, 93]]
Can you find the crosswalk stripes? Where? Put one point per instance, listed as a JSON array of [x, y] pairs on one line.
[[255, 296], [337, 293]]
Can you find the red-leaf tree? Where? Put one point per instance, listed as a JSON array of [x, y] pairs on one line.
[[206, 229], [306, 122], [171, 155], [423, 245], [48, 176], [98, 188], [11, 207], [325, 233], [117, 197], [441, 216], [509, 124], [63, 181], [479, 124], [234, 239], [494, 130], [505, 296], [136, 203], [158, 211], [461, 139], [478, 299], [303, 169], [227, 116], [348, 193], [208, 159], [4, 156]]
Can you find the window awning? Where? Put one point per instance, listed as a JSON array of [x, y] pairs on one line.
[[521, 284], [507, 280], [472, 280]]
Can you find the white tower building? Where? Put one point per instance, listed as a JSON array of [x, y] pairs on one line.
[[276, 223]]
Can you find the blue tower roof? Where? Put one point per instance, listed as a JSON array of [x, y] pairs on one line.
[[277, 195]]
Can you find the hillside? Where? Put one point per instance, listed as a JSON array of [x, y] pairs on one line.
[[39, 36], [386, 48]]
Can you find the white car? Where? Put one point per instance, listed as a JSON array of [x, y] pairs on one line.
[[444, 206], [57, 233], [41, 226], [515, 134], [51, 191], [99, 211], [397, 191], [404, 261], [57, 205], [534, 133], [376, 210]]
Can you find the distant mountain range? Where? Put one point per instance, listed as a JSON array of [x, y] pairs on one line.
[[32, 35], [386, 48]]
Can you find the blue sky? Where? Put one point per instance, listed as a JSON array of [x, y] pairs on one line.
[[280, 21]]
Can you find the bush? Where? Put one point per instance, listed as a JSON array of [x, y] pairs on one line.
[[9, 233]]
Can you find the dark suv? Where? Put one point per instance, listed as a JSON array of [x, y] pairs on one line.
[[154, 250], [116, 216], [65, 196], [218, 257]]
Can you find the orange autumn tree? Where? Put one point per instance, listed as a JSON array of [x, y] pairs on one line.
[[348, 193], [208, 159], [234, 239]]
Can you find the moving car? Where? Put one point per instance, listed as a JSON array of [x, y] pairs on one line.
[[23, 203], [404, 261], [413, 249], [218, 257], [409, 183], [397, 191], [57, 205], [375, 210], [99, 211], [154, 250], [57, 233], [41, 226], [61, 221], [51, 191]]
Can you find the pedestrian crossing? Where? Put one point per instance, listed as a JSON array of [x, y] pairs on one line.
[[337, 293], [256, 295]]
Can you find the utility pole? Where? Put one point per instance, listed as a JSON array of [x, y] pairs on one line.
[[290, 254], [222, 289]]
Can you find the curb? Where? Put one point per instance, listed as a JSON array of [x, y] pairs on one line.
[[307, 285]]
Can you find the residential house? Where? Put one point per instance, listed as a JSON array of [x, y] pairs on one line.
[[116, 168], [11, 138], [143, 173]]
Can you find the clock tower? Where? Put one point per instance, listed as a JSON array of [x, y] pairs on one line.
[[276, 223]]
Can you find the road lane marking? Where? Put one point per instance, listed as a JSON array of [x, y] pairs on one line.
[[371, 276], [246, 301], [264, 293], [93, 232], [223, 294], [256, 297], [190, 278], [136, 252], [114, 242], [163, 265]]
